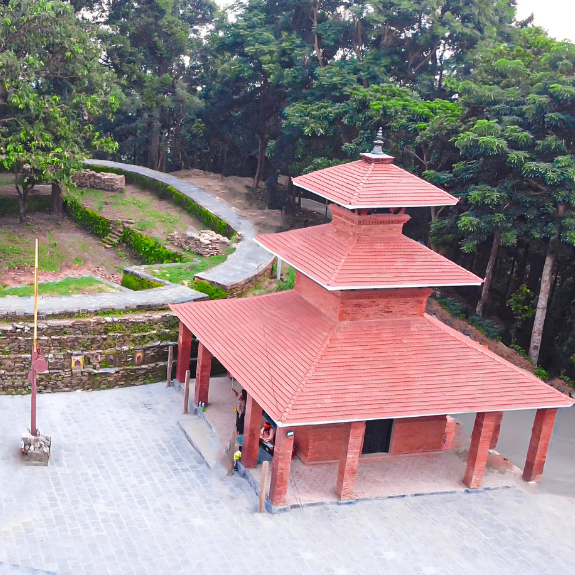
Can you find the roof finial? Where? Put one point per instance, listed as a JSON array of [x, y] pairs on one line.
[[377, 149]]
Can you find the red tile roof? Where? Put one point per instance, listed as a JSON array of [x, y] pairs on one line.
[[339, 260], [303, 367], [364, 184]]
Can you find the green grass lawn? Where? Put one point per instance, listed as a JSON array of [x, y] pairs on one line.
[[140, 210], [65, 287], [19, 251], [185, 272]]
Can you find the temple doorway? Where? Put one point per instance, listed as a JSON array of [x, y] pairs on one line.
[[377, 436]]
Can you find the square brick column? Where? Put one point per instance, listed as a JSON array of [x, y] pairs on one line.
[[496, 430], [281, 466], [251, 438], [203, 370], [539, 444], [479, 449], [352, 443], [184, 352]]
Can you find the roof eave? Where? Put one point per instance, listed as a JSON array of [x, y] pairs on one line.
[[408, 415], [373, 207], [362, 286]]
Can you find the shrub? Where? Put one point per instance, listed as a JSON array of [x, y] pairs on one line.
[[88, 219], [288, 282], [213, 292], [486, 327], [452, 306], [541, 373], [136, 283], [152, 252]]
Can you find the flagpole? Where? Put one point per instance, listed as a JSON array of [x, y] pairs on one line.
[[33, 429]]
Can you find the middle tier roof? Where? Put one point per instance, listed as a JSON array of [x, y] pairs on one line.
[[339, 259]]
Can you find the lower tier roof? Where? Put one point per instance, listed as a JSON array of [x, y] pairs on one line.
[[303, 367]]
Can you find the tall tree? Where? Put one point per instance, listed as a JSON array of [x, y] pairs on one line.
[[52, 85]]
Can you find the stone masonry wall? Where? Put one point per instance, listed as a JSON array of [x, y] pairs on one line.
[[91, 353]]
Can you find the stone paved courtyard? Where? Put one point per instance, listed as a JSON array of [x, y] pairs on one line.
[[125, 493]]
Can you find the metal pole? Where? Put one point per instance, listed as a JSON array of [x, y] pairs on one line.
[[279, 270], [187, 391], [33, 429], [170, 361], [263, 487]]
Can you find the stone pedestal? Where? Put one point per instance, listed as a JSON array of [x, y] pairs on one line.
[[36, 448]]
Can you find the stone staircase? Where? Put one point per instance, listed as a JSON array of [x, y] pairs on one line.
[[111, 240]]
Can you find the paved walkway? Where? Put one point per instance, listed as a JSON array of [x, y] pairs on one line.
[[248, 258], [93, 302], [125, 493]]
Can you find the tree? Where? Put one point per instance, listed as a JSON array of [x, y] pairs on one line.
[[52, 85], [520, 109]]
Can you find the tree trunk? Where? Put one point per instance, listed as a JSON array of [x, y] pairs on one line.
[[260, 170], [544, 291], [56, 200], [153, 143], [488, 273], [22, 205]]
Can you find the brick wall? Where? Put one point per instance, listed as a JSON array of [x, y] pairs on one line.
[[120, 350], [317, 443], [416, 434], [363, 304]]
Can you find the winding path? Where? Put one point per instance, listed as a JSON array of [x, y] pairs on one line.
[[248, 260]]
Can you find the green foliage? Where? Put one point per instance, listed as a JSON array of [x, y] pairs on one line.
[[136, 283], [522, 304], [214, 292], [289, 281], [53, 84], [148, 249], [488, 328], [541, 373], [452, 306], [88, 219]]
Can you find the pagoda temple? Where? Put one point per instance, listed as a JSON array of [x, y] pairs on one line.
[[348, 364]]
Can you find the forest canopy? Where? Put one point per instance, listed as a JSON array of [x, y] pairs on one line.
[[468, 97]]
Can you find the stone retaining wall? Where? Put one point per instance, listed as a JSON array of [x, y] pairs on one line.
[[112, 351]]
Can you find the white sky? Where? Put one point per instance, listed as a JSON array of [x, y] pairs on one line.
[[557, 16]]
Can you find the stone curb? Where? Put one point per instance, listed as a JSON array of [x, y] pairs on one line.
[[92, 303]]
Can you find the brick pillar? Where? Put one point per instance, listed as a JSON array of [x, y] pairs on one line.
[[539, 444], [203, 370], [281, 466], [184, 352], [252, 427], [496, 430], [352, 442], [479, 449]]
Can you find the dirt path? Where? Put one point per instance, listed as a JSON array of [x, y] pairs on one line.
[[237, 192]]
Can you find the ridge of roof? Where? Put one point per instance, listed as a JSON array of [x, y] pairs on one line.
[[311, 369], [363, 181]]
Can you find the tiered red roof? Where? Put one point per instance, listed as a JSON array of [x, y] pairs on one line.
[[304, 367], [320, 354], [347, 257], [373, 183]]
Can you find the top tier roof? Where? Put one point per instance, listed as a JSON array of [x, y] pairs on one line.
[[373, 182]]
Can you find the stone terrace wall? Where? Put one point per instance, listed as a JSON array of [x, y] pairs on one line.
[[116, 351]]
